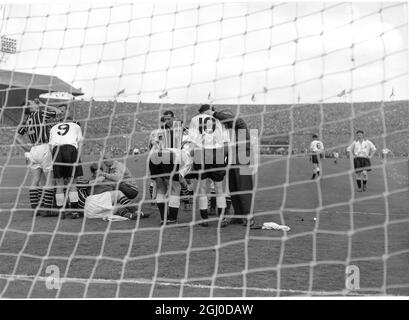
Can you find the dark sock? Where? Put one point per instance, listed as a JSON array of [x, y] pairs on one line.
[[228, 205], [74, 205], [34, 198], [220, 211], [313, 176], [358, 182], [173, 213], [161, 207], [204, 214], [364, 182], [213, 200]]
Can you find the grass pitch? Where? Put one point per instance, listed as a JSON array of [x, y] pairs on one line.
[[134, 259]]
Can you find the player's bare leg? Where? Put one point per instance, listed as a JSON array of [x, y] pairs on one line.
[[174, 201], [359, 181], [59, 195], [43, 178], [161, 190], [364, 179], [316, 171], [212, 197], [152, 191], [220, 203], [73, 197], [203, 202]]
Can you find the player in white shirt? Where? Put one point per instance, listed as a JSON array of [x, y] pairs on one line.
[[210, 137], [385, 153], [362, 150], [65, 141], [316, 150], [336, 157]]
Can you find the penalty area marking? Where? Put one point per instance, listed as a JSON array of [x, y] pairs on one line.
[[358, 212]]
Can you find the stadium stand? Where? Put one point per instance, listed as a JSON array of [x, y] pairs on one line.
[[132, 122]]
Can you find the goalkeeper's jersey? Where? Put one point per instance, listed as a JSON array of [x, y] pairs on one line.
[[207, 132]]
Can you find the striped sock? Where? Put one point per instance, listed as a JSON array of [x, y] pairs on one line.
[[183, 191], [124, 201], [34, 198], [81, 198], [48, 198]]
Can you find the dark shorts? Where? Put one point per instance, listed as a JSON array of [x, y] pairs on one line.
[[163, 169], [315, 158], [65, 163], [361, 164], [130, 191], [209, 166]]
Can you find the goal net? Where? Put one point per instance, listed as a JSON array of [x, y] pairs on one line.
[[288, 70]]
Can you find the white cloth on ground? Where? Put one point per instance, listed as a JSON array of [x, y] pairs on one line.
[[274, 226]]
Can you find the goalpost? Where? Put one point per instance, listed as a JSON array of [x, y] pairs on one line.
[[286, 69]]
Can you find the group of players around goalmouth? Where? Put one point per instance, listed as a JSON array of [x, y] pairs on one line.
[[57, 187], [53, 157], [216, 145]]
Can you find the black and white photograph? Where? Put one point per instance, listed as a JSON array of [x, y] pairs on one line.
[[229, 151]]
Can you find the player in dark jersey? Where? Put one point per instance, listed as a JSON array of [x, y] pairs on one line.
[[169, 160], [186, 190], [37, 128]]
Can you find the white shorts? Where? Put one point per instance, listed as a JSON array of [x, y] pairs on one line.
[[98, 206], [41, 158]]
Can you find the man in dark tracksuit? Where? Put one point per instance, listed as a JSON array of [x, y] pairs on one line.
[[239, 181]]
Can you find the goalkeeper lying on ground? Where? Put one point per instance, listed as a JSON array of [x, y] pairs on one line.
[[99, 199]]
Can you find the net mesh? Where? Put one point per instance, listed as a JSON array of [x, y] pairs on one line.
[[289, 70]]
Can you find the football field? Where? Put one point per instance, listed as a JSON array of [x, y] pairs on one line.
[[137, 259]]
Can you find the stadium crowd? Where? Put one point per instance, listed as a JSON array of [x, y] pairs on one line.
[[114, 120]]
